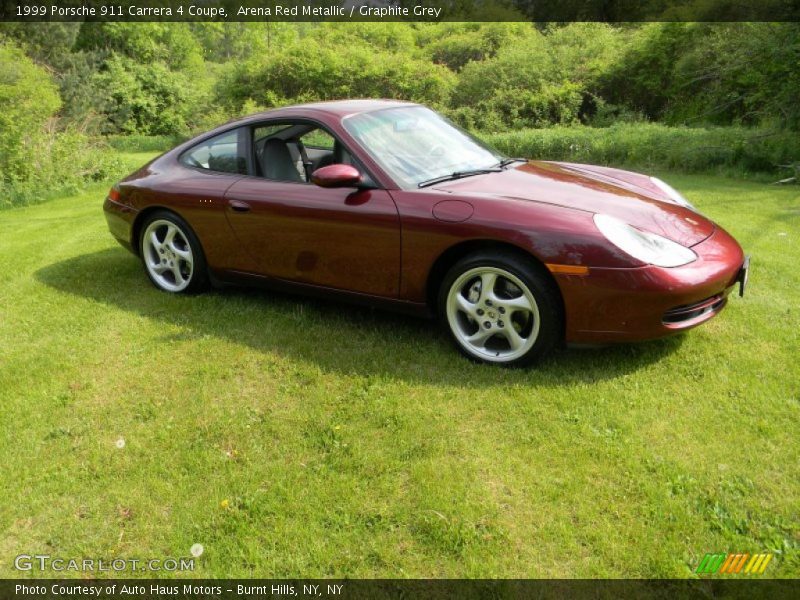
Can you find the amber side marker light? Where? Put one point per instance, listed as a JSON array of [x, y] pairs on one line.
[[113, 193], [568, 269]]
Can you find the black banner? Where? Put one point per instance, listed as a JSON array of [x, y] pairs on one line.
[[401, 10], [380, 589]]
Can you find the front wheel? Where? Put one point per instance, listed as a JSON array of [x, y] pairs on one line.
[[171, 254], [501, 308]]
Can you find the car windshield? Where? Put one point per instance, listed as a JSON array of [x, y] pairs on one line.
[[415, 145]]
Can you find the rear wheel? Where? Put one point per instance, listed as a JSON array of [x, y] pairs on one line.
[[171, 254], [501, 308]]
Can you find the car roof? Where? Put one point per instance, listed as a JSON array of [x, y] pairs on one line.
[[336, 108]]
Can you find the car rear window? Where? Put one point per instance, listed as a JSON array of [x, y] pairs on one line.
[[222, 153]]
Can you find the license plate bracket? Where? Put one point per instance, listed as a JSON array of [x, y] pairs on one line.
[[744, 275]]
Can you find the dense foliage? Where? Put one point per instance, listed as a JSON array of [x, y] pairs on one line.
[[29, 98], [310, 70], [731, 150], [66, 80], [740, 73], [165, 78], [36, 156]]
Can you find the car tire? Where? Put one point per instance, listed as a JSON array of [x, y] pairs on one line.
[[502, 307], [172, 255]]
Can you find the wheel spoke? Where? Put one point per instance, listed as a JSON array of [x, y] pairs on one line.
[[170, 237], [184, 254], [480, 337], [176, 271], [518, 303], [465, 305], [154, 241], [515, 340], [159, 267], [488, 279]]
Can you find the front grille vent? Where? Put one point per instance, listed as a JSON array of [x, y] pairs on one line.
[[688, 312]]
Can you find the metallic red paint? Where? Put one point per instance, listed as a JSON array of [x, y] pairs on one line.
[[336, 176], [389, 246], [339, 238]]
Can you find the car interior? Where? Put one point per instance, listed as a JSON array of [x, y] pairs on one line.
[[283, 152], [292, 152]]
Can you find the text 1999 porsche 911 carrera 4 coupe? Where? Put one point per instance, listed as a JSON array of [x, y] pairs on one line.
[[390, 204]]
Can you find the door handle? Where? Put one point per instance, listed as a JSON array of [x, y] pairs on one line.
[[238, 205]]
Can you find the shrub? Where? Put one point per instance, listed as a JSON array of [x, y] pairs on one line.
[[584, 52], [37, 159], [698, 73], [310, 71], [739, 73], [527, 90], [455, 51], [651, 146], [394, 37], [145, 99], [642, 79], [510, 108], [523, 66], [172, 44], [456, 44], [142, 143], [63, 162], [29, 98]]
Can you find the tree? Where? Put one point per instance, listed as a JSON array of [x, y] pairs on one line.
[[29, 98], [172, 44], [309, 70], [148, 99]]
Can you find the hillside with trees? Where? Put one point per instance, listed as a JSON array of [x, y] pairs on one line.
[[69, 86]]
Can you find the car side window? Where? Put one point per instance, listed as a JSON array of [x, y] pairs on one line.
[[292, 151], [277, 153], [222, 153], [318, 139]]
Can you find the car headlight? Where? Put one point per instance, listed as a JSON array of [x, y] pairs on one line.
[[643, 245], [673, 194]]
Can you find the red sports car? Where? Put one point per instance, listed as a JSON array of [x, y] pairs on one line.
[[390, 204]]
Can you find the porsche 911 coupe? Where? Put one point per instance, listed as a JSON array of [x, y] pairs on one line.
[[388, 203]]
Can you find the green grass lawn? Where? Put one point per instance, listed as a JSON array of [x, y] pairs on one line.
[[294, 437]]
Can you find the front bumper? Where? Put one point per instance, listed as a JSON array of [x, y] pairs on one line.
[[621, 305], [120, 218]]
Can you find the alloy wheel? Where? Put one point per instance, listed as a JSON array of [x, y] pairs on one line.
[[167, 255], [493, 314]]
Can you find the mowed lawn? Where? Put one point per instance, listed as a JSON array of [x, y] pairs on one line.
[[293, 437]]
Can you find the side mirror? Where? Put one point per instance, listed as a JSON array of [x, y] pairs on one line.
[[336, 176]]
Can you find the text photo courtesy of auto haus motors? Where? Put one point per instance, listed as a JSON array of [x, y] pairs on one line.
[[366, 299]]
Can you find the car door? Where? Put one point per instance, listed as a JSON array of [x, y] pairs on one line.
[[197, 193], [344, 238]]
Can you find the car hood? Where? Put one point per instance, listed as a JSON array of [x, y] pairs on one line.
[[622, 194]]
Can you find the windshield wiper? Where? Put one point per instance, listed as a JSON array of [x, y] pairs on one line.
[[510, 161], [458, 175]]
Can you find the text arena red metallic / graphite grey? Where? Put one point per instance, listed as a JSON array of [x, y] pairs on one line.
[[390, 204]]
